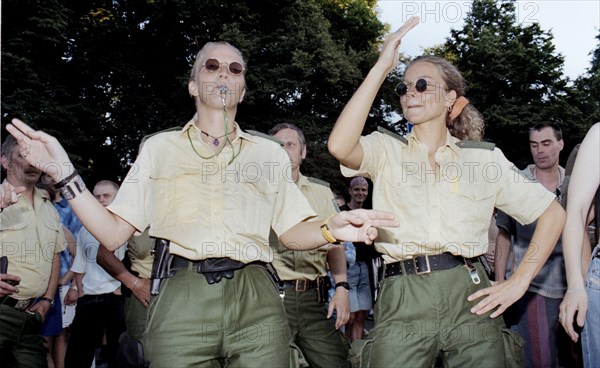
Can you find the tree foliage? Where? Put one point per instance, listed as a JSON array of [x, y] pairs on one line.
[[102, 74], [514, 77]]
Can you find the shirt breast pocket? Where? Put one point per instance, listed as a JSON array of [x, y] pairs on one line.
[[176, 195], [469, 206]]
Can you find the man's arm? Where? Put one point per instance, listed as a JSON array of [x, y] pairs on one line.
[[336, 259], [113, 266], [42, 306]]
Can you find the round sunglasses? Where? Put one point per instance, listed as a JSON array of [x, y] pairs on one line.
[[420, 86], [213, 65]]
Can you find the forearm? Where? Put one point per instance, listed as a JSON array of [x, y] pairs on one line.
[[53, 281], [305, 235], [502, 250], [96, 218], [573, 250], [547, 232], [343, 141], [114, 267], [336, 259]]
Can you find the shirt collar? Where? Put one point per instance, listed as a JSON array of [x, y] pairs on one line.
[[450, 141], [239, 132], [302, 181]]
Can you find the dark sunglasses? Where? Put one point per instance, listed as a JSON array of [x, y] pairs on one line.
[[420, 86], [213, 65]]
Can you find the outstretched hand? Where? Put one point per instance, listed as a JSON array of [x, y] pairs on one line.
[[41, 150], [360, 225], [390, 51]]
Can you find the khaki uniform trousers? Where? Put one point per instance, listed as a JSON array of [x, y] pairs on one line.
[[320, 343], [238, 322], [421, 318]]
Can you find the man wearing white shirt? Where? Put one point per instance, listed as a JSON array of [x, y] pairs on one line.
[[100, 303]]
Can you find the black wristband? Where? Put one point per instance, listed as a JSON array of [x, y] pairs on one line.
[[50, 301], [343, 284], [66, 180]]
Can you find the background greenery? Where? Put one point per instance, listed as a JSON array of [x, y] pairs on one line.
[[102, 74]]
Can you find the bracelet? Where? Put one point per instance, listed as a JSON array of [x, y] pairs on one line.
[[578, 290], [74, 288], [64, 182], [343, 284], [73, 188], [46, 299], [326, 234], [135, 283]]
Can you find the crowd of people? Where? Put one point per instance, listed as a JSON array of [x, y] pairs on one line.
[[216, 251]]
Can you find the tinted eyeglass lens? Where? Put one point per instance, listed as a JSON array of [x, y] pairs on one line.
[[212, 65], [401, 89], [420, 86], [236, 68]]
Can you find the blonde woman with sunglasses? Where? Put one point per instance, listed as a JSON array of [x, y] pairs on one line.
[[212, 192], [442, 183]]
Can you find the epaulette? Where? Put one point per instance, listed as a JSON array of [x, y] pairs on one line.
[[476, 144], [146, 137], [392, 134], [266, 136], [317, 181]]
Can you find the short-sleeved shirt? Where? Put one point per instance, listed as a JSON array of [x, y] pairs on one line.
[[212, 207], [96, 280], [446, 213], [551, 281], [30, 236], [140, 253], [293, 264]]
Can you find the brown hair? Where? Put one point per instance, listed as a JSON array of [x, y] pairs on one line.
[[469, 124]]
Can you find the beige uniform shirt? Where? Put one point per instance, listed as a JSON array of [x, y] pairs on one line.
[[30, 238], [293, 265], [140, 247], [209, 208], [449, 213]]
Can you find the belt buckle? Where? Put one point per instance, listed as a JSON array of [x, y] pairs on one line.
[[428, 270], [22, 304], [304, 284]]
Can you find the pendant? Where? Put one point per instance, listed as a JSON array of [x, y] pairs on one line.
[[216, 142]]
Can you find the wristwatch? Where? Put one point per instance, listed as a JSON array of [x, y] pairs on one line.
[[50, 301], [343, 284]]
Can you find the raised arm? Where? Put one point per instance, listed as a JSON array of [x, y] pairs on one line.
[[584, 182], [343, 142], [45, 152]]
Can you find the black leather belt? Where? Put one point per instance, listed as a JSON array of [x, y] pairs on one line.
[[17, 304], [299, 285], [214, 269], [424, 264]]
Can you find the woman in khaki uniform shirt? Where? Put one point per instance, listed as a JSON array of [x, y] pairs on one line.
[[442, 184], [213, 191]]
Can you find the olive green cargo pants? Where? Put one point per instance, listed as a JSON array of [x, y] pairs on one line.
[[419, 318], [321, 344], [238, 322]]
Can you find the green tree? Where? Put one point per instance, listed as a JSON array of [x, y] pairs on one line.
[[514, 76], [588, 86], [123, 67]]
